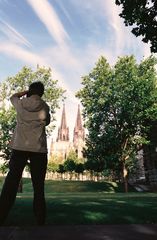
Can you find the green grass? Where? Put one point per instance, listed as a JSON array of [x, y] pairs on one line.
[[52, 187], [86, 203]]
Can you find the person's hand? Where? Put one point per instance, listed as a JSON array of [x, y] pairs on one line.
[[21, 94]]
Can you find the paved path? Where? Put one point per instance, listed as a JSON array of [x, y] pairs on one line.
[[81, 232]]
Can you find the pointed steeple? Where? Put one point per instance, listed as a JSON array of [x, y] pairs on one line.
[[79, 132], [63, 119], [78, 124], [63, 130]]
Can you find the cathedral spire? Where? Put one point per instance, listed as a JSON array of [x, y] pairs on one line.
[[78, 124], [63, 130], [63, 119], [79, 132]]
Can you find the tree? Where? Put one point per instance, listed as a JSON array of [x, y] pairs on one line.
[[58, 159], [119, 105], [142, 14], [52, 167], [61, 170], [7, 124], [79, 168], [72, 155], [69, 166], [20, 82], [4, 168]]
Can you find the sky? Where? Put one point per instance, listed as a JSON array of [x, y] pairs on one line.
[[67, 35]]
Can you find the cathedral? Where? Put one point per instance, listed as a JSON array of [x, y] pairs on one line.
[[62, 146], [147, 163]]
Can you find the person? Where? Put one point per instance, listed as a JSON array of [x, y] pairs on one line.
[[28, 143]]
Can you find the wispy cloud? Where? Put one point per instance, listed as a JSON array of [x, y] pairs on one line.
[[64, 10], [63, 57], [32, 59], [124, 39], [12, 34], [49, 18], [17, 52], [119, 32]]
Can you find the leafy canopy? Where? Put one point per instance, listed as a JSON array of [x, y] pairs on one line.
[[119, 104], [20, 82], [142, 15]]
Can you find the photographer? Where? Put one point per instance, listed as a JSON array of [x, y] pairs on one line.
[[28, 143]]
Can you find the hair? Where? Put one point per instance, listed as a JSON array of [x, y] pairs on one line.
[[36, 88]]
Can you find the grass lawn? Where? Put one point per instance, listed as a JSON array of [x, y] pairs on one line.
[[86, 203]]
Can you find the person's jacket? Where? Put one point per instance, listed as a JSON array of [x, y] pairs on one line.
[[32, 117]]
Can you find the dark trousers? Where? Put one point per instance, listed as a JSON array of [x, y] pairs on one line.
[[38, 166]]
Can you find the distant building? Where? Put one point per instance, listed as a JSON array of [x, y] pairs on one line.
[[62, 146]]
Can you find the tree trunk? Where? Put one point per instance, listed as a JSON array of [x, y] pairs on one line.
[[125, 171], [125, 178], [20, 187], [70, 176]]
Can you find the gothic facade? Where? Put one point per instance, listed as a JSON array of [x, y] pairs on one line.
[[62, 146]]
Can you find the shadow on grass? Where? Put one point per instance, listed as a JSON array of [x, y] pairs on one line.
[[89, 208], [102, 210]]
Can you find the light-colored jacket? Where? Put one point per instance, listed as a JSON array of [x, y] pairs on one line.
[[32, 117]]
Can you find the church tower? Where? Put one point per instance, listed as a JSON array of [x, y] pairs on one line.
[[63, 130], [79, 135], [63, 145]]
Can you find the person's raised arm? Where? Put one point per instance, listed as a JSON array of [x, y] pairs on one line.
[[20, 94], [16, 96]]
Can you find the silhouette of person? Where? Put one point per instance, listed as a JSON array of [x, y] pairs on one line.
[[28, 143]]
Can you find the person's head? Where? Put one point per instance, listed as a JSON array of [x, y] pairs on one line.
[[36, 88]]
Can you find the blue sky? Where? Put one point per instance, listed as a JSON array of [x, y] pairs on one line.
[[67, 35]]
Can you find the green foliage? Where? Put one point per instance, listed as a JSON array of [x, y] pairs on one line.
[[25, 77], [72, 156], [69, 165], [7, 125], [56, 158], [141, 14], [119, 106], [61, 168], [93, 164], [20, 82], [73, 163], [52, 167], [79, 168], [4, 167]]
